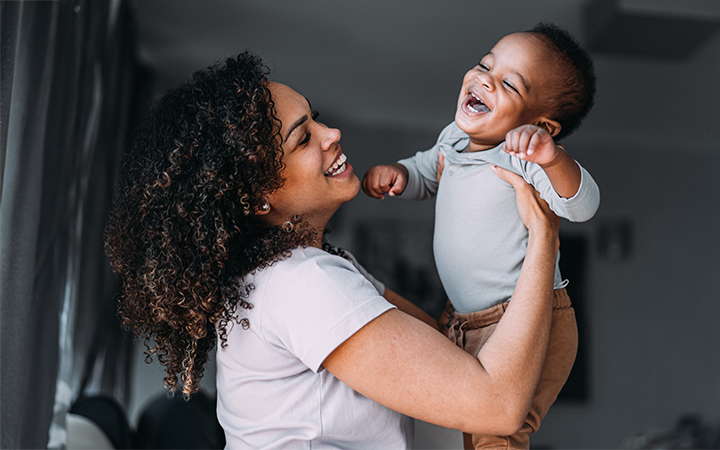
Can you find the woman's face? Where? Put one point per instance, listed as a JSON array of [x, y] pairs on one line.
[[317, 178]]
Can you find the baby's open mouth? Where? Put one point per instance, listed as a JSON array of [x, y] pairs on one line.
[[338, 166], [474, 104]]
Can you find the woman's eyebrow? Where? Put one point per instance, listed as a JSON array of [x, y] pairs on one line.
[[299, 122]]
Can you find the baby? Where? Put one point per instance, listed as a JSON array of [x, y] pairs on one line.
[[530, 91]]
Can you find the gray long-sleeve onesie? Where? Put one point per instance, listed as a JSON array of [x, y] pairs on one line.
[[480, 241]]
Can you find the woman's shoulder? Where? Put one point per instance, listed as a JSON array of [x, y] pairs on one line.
[[310, 259], [315, 272], [307, 266], [312, 277]]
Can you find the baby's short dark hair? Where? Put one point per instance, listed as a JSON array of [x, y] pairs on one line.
[[575, 94]]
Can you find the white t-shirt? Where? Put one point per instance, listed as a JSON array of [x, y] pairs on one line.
[[272, 389]]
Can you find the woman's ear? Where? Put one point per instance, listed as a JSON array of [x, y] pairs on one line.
[[551, 126], [263, 209]]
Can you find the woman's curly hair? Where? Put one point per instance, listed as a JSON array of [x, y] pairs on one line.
[[182, 233]]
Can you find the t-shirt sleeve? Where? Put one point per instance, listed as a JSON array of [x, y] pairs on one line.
[[316, 305], [578, 208], [422, 175], [422, 167], [379, 285]]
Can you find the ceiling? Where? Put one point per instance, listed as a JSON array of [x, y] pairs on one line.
[[399, 63]]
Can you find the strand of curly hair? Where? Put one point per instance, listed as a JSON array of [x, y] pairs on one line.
[[182, 233]]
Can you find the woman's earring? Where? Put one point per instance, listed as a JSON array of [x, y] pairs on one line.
[[265, 207]]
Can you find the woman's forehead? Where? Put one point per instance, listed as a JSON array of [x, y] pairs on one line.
[[286, 99]]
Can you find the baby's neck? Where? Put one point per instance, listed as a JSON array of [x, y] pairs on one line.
[[477, 147]]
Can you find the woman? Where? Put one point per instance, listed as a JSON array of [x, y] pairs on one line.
[[217, 233]]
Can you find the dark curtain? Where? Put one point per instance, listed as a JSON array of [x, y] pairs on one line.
[[68, 82]]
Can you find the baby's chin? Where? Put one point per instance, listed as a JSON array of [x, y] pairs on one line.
[[478, 139], [461, 120]]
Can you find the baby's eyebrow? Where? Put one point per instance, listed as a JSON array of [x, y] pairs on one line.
[[522, 80], [526, 86]]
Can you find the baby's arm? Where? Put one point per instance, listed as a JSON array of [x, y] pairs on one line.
[[534, 144], [415, 177]]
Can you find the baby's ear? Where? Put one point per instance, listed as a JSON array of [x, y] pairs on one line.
[[551, 126]]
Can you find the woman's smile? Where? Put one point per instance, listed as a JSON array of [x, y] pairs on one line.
[[318, 177], [340, 166]]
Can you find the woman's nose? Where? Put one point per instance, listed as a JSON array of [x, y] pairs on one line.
[[332, 136]]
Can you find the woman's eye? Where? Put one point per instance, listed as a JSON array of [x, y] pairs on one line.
[[305, 140], [483, 66], [315, 115]]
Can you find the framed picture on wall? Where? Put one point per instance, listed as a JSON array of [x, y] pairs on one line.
[[399, 253]]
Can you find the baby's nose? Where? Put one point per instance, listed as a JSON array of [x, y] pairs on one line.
[[485, 81]]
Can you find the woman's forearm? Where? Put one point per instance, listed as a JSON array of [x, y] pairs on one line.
[[514, 354], [406, 366]]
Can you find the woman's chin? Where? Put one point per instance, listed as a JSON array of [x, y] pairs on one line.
[[349, 180], [355, 181]]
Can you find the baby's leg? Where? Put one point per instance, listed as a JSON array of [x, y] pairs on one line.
[[471, 331]]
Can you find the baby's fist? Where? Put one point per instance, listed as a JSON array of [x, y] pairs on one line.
[[531, 143], [384, 179]]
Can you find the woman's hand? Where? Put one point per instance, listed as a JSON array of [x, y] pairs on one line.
[[534, 211], [440, 166]]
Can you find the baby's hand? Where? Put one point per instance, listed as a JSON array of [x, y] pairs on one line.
[[531, 143], [388, 179]]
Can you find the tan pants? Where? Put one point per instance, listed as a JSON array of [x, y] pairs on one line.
[[471, 331]]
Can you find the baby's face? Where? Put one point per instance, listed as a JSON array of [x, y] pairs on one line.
[[505, 90]]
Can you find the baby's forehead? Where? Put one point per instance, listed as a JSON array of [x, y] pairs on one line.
[[528, 54], [535, 43]]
